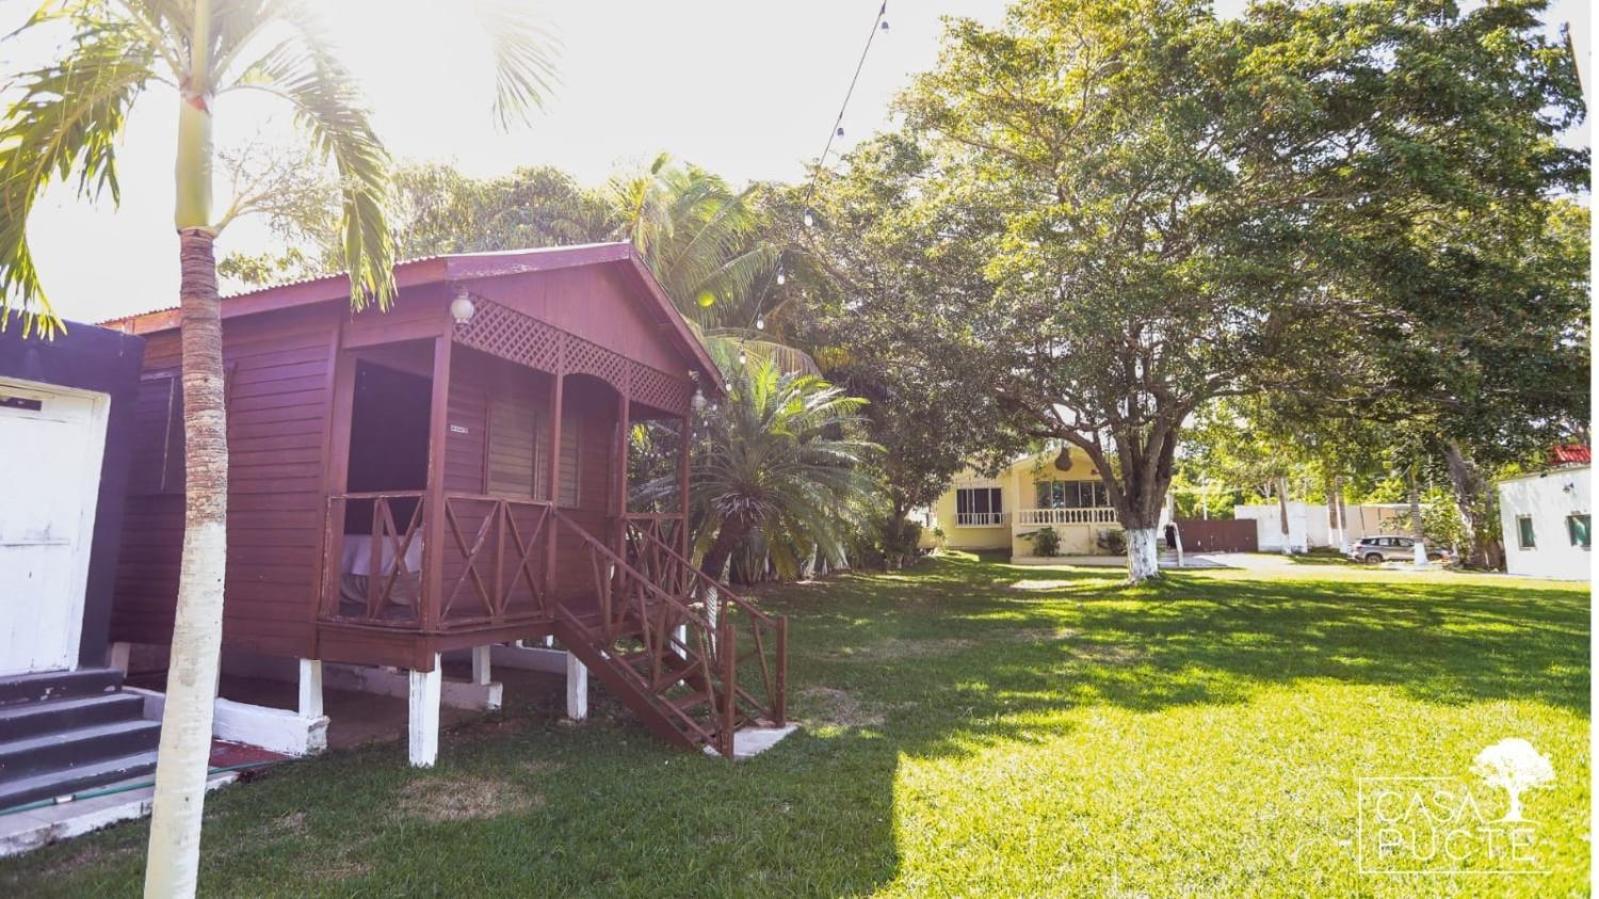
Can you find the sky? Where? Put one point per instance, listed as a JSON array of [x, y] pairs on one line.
[[746, 89]]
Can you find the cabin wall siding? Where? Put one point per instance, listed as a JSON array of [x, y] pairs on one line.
[[279, 371]]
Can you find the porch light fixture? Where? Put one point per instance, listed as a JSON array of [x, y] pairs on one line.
[[462, 308]]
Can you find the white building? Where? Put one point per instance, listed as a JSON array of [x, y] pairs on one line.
[[1310, 524], [1546, 519]]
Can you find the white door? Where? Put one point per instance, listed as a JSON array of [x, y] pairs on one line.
[[51, 442]]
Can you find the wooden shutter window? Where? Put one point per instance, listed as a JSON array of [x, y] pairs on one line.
[[513, 439], [157, 463], [570, 458]]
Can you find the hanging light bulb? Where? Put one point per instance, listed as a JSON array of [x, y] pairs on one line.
[[781, 278], [884, 26], [841, 131], [742, 358], [810, 220], [760, 323]]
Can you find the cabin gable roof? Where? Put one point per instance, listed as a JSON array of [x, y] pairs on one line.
[[462, 267]]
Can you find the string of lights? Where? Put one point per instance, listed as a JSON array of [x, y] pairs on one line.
[[879, 24]]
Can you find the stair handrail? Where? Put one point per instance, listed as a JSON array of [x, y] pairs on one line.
[[612, 556], [725, 599]]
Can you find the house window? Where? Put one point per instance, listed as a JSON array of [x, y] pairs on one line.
[[1524, 535], [979, 507], [1577, 528], [1072, 495]]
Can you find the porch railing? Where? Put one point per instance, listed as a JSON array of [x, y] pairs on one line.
[[1042, 517], [491, 559], [981, 519]]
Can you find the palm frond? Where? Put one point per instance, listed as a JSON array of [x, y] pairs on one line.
[[308, 73], [524, 59], [67, 120]]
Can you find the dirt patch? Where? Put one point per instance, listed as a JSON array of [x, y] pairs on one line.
[[1044, 585], [1038, 635], [896, 648], [441, 799], [1108, 653], [343, 869], [88, 857], [541, 766], [292, 823], [838, 707]]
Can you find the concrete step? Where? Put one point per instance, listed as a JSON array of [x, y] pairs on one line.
[[66, 781], [34, 718], [75, 748], [40, 686]]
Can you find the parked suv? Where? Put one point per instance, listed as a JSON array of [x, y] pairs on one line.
[[1390, 549]]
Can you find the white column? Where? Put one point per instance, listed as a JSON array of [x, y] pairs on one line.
[[310, 688], [577, 689], [117, 656], [480, 665], [425, 688]]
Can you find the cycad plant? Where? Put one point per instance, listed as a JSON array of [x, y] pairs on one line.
[[781, 463], [64, 125]]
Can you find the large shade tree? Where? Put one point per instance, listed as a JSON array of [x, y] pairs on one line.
[[65, 124], [1175, 194]]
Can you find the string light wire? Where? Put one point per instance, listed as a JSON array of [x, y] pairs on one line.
[[837, 131]]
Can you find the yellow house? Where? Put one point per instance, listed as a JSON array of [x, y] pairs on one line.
[[978, 512]]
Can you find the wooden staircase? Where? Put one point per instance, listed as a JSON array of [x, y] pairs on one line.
[[692, 659]]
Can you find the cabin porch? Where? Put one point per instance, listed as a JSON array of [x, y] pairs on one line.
[[481, 496]]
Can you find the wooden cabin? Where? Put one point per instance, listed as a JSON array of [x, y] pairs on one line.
[[454, 474]]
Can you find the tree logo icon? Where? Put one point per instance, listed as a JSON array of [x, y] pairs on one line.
[[1514, 766]]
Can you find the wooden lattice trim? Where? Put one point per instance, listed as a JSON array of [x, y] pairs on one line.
[[501, 331], [504, 332], [656, 388]]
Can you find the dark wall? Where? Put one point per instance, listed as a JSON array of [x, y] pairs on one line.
[[1219, 535], [89, 358]]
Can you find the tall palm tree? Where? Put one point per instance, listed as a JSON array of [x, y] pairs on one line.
[[65, 124], [701, 238], [779, 463]]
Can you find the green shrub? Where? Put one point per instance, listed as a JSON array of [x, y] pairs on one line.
[[1046, 542], [1112, 540]]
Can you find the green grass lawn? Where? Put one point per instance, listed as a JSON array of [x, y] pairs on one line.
[[972, 728]]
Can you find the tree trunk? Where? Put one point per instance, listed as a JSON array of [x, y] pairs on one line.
[[728, 537], [184, 758], [183, 761], [1420, 556], [1335, 523], [1282, 509], [1343, 517], [1475, 502], [1143, 554]]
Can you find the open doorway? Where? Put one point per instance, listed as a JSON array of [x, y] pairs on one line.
[[388, 454]]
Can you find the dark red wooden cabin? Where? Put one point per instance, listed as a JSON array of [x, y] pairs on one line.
[[403, 484]]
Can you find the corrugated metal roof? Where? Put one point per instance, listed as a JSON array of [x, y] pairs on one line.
[[344, 273]]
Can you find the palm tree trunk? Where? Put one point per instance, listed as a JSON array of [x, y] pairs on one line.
[[183, 762]]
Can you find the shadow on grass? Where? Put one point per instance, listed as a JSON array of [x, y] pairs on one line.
[[942, 660]]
